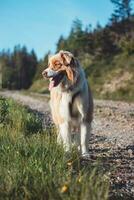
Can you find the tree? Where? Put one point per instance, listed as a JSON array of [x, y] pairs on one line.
[[103, 42], [42, 64], [18, 68], [61, 44], [77, 39], [122, 10]]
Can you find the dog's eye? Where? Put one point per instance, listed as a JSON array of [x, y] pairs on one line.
[[57, 65]]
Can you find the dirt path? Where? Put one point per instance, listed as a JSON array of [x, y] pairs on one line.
[[112, 139]]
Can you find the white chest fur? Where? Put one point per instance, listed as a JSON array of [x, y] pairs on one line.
[[64, 105]]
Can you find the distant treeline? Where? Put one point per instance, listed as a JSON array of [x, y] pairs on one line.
[[20, 68]]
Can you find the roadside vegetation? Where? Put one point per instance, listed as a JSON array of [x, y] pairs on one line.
[[33, 166]]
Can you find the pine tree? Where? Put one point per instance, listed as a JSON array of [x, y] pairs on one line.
[[61, 44], [18, 68], [122, 10]]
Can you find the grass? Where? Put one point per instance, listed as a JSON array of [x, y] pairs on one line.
[[40, 86], [33, 166]]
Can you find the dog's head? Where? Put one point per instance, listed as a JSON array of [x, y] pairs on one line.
[[60, 65]]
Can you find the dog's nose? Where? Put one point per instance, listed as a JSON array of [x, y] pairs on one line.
[[44, 73]]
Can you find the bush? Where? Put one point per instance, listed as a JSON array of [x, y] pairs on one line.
[[126, 44]]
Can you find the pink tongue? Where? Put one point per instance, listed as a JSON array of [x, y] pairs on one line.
[[51, 85]]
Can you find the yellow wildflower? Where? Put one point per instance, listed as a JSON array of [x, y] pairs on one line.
[[79, 179], [69, 163], [64, 189]]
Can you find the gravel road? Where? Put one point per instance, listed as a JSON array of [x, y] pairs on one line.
[[112, 137]]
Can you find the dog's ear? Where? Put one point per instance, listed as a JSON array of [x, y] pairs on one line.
[[70, 74], [68, 59], [66, 56]]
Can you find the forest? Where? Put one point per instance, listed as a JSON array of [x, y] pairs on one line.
[[106, 53]]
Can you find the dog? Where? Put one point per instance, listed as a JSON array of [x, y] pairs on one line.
[[71, 99]]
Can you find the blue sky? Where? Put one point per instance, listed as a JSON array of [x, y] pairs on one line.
[[39, 23]]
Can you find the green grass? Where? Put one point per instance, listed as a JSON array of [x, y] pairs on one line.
[[105, 71], [40, 86], [33, 166]]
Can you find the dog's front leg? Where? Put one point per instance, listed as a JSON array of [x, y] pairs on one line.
[[65, 135], [84, 139]]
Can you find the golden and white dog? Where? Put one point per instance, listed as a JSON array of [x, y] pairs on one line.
[[71, 100]]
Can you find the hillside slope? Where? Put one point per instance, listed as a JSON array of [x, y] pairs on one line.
[[113, 78]]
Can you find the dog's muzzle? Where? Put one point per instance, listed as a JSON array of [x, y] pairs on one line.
[[49, 73]]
